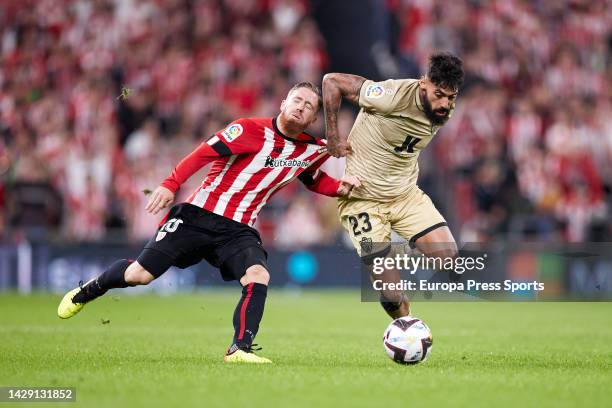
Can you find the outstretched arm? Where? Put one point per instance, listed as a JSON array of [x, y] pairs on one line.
[[163, 195], [335, 87], [321, 183], [237, 138]]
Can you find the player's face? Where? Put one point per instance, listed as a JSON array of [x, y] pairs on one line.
[[300, 108], [437, 101]]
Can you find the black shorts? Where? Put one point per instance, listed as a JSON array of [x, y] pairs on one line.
[[191, 234]]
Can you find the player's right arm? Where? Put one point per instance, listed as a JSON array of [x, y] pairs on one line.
[[335, 87], [226, 142], [164, 194]]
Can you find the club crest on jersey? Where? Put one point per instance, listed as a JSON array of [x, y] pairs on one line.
[[366, 244], [375, 91], [232, 132]]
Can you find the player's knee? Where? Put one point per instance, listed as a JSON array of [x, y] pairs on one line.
[[257, 274], [135, 274]]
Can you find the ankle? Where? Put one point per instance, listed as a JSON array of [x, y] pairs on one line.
[[89, 292]]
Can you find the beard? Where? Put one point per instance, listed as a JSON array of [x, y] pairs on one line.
[[291, 124], [433, 117]]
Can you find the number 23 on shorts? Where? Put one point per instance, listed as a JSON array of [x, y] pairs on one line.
[[360, 223]]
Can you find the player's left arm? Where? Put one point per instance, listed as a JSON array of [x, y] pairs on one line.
[[320, 182], [335, 87]]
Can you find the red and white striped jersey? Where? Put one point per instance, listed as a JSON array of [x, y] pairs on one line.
[[252, 160]]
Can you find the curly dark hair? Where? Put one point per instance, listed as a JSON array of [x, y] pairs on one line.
[[445, 70]]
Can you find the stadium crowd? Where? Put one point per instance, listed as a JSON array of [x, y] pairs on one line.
[[99, 99], [529, 148]]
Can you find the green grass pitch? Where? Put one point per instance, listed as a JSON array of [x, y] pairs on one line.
[[167, 351]]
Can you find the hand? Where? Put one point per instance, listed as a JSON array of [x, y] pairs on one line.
[[339, 149], [347, 184], [160, 199]]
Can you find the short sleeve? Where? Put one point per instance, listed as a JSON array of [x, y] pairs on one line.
[[385, 97]]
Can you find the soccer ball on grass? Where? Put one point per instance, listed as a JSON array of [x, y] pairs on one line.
[[408, 340]]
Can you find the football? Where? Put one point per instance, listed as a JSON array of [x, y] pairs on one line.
[[408, 340]]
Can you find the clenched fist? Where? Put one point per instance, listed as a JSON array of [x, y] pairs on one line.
[[339, 149], [347, 184]]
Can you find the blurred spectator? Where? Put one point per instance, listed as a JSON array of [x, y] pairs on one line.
[[300, 225]]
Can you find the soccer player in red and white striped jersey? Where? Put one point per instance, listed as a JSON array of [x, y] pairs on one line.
[[252, 159]]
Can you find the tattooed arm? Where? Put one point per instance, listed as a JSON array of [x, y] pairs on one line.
[[336, 87]]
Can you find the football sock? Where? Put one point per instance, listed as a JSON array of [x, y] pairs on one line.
[[248, 314], [113, 277], [389, 305]]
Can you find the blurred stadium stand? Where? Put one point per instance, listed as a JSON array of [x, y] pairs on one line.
[[527, 154]]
